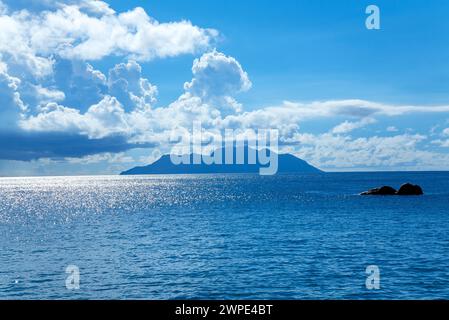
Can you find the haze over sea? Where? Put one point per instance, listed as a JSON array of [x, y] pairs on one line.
[[224, 236]]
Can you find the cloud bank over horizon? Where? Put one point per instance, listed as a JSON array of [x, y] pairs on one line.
[[55, 105]]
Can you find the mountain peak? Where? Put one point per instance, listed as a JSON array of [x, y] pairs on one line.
[[286, 163]]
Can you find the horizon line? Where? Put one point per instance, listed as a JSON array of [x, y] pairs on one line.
[[230, 173]]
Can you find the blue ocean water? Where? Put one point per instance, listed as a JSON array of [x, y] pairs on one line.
[[223, 237]]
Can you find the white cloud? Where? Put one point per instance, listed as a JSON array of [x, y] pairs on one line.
[[69, 31], [15, 46], [108, 157], [446, 132], [288, 116], [47, 86], [392, 129], [348, 126], [48, 95], [80, 82], [334, 149], [337, 151], [126, 83], [444, 143], [11, 104], [126, 108], [354, 108], [441, 143], [95, 6], [101, 120], [215, 74], [217, 78]]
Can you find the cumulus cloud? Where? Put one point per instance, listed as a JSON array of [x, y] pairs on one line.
[[287, 116], [334, 149], [339, 151], [137, 126], [107, 118], [126, 83], [126, 108], [49, 88], [216, 75], [349, 126], [11, 104], [55, 104], [81, 100], [72, 32], [81, 84], [217, 78]]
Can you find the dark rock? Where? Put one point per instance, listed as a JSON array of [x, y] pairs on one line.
[[382, 191], [409, 189]]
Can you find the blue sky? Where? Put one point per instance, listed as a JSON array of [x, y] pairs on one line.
[[343, 97], [315, 50]]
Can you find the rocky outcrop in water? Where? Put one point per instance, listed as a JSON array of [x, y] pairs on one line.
[[409, 189], [382, 191], [406, 189]]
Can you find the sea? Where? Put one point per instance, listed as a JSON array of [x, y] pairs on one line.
[[308, 236]]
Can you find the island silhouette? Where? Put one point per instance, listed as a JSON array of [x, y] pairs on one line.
[[287, 163]]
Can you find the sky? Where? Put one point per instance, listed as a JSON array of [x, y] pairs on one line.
[[98, 87]]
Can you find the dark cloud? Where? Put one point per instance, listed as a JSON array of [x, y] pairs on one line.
[[33, 146]]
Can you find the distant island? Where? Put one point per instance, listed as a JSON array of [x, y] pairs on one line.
[[287, 163]]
